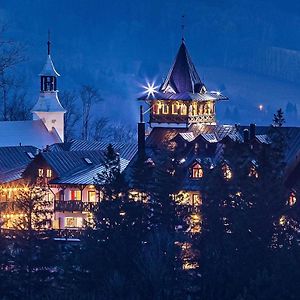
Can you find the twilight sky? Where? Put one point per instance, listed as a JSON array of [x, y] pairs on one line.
[[249, 49]]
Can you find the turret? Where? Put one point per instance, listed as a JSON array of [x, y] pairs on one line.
[[48, 107], [182, 99]]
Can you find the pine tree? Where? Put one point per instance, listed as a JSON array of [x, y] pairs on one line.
[[110, 181], [278, 119]]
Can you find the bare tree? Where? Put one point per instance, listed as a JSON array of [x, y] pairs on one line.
[[11, 54], [89, 97], [118, 133], [99, 129], [72, 116]]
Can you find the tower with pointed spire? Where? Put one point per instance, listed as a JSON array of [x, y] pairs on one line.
[[48, 107], [182, 99]]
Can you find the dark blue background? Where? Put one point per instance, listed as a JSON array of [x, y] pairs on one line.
[[247, 49]]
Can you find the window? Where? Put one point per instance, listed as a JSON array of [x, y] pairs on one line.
[[292, 198], [41, 172], [183, 109], [30, 155], [49, 173], [73, 222], [175, 108], [91, 196], [165, 108], [75, 195], [197, 171], [227, 172], [194, 108], [88, 161], [196, 200], [253, 172]]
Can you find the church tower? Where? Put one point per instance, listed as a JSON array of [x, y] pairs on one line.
[[48, 108], [182, 99]]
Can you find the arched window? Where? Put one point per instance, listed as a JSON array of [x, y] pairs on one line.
[[183, 109], [197, 171], [175, 108], [292, 198], [194, 108], [227, 172], [165, 108]]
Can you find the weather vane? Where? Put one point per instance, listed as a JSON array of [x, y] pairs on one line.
[[182, 27], [48, 43]]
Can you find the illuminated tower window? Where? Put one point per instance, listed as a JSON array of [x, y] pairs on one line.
[[197, 171]]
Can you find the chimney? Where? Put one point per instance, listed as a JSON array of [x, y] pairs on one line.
[[246, 136], [252, 132], [141, 135]]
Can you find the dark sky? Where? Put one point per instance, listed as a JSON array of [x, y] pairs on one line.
[[249, 49]]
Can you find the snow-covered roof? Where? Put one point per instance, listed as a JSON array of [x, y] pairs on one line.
[[49, 69], [48, 102], [26, 133]]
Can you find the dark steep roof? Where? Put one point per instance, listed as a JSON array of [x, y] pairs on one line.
[[126, 150], [183, 76], [64, 162], [14, 160]]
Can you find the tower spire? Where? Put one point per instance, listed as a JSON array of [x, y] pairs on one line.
[[48, 43]]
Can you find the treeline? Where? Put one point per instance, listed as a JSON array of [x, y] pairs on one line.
[[247, 246]]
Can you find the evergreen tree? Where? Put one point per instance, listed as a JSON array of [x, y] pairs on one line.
[[110, 181], [278, 119]]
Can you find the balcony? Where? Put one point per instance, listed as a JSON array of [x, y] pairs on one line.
[[74, 205], [8, 207]]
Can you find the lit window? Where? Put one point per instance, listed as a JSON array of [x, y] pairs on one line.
[[175, 108], [292, 198], [197, 171], [41, 172], [165, 108], [196, 200], [49, 173], [91, 196], [227, 172], [75, 195], [194, 108], [73, 222], [183, 109], [253, 172]]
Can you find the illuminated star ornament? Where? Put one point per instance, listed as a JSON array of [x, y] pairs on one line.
[[150, 89]]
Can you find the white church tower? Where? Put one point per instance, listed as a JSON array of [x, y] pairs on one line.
[[48, 108]]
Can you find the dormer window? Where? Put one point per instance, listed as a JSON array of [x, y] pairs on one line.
[[227, 172], [292, 198], [197, 171]]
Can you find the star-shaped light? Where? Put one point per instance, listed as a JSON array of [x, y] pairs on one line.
[[150, 89]]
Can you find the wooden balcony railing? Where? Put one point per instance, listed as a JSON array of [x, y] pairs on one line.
[[9, 207], [74, 205]]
